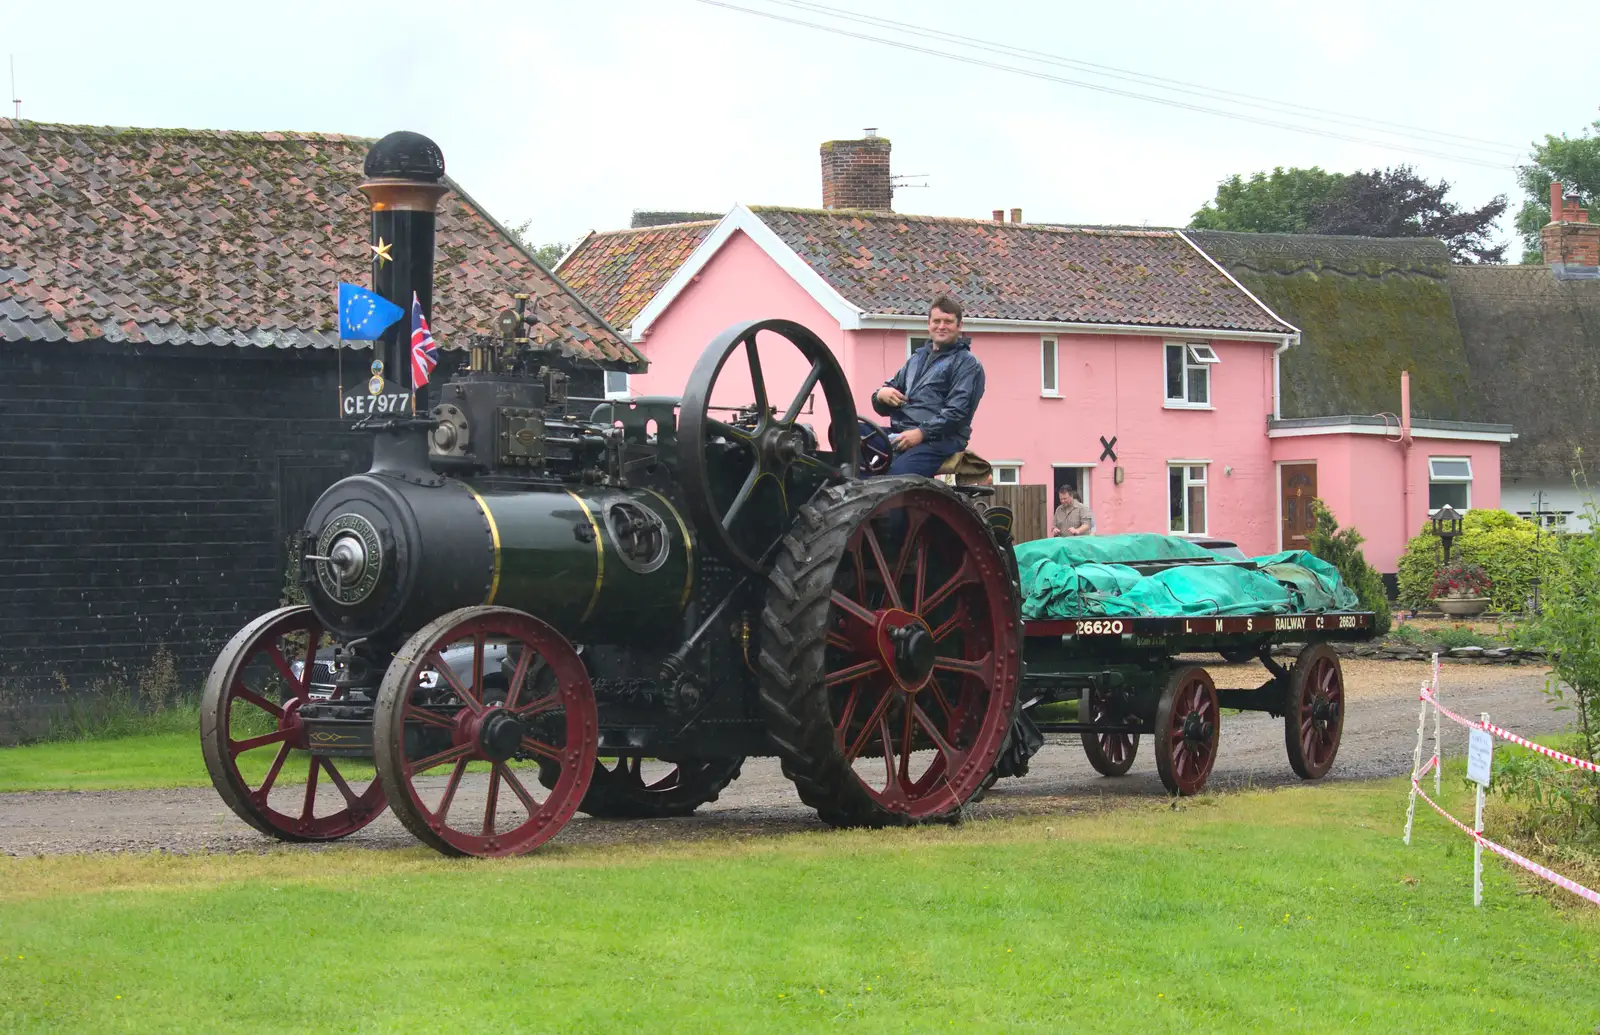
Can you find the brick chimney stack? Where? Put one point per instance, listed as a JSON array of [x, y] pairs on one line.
[[1569, 239], [855, 174]]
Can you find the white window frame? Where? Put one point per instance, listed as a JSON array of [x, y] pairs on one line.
[[1197, 356], [1553, 519], [625, 392], [1189, 482], [1049, 387], [1451, 479], [1084, 481], [1014, 467], [915, 342]]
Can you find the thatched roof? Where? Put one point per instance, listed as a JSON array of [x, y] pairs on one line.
[[1533, 343], [1367, 309]]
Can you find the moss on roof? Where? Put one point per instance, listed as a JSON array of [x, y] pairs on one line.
[[1367, 308]]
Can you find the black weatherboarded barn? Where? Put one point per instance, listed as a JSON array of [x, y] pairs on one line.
[[169, 380]]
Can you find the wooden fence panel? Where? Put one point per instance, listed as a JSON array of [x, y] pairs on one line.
[[1029, 508]]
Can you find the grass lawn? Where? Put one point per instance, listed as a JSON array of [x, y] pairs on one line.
[[1290, 910], [133, 763], [145, 761], [125, 763]]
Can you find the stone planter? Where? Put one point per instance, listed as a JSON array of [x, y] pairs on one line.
[[1461, 607]]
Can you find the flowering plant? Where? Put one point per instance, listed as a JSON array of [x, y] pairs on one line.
[[1461, 580]]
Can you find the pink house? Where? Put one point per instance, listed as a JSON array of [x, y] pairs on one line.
[[1124, 362]]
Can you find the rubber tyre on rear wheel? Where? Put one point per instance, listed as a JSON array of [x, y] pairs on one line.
[[814, 635]]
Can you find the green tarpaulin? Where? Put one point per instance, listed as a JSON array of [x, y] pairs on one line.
[[1092, 576]]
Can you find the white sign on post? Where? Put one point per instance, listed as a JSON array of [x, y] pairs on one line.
[[1480, 757]]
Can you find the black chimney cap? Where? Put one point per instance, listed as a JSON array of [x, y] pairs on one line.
[[405, 156]]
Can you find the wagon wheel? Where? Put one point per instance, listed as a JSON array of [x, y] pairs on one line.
[[447, 755], [889, 653], [745, 477], [1111, 754], [254, 741], [1187, 723], [1313, 718], [629, 787], [1239, 655]]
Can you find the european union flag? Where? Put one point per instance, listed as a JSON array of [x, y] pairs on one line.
[[364, 316]]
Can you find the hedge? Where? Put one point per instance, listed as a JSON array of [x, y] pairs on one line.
[[1342, 549], [1509, 549]]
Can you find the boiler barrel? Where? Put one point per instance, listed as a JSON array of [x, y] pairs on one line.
[[610, 565], [602, 565]]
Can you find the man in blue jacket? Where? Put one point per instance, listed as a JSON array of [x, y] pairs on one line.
[[931, 400]]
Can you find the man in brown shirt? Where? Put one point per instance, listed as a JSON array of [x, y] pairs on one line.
[[1072, 517]]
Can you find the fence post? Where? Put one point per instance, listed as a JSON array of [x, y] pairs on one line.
[[1439, 744], [1416, 764], [1477, 842]]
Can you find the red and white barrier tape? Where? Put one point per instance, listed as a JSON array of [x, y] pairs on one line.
[[1551, 752], [1502, 851], [1505, 734]]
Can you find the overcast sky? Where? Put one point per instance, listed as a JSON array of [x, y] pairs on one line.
[[574, 114]]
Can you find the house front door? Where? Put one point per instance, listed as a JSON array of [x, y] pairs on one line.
[[1299, 486]]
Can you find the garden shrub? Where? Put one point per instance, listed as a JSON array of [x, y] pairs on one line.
[[1510, 550], [1342, 549], [1569, 629]]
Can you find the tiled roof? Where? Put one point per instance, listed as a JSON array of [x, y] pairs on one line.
[[891, 263], [194, 237], [619, 271]]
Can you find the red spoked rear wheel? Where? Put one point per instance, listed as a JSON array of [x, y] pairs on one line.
[[255, 744], [1188, 721], [889, 662], [1313, 720], [460, 757]]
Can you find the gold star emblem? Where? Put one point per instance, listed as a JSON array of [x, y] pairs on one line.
[[381, 250]]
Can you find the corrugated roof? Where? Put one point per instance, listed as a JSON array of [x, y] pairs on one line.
[[619, 271], [212, 237], [1533, 344], [892, 263]]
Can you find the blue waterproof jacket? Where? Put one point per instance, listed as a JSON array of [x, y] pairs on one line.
[[942, 390]]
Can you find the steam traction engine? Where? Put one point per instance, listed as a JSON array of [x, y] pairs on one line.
[[535, 603]]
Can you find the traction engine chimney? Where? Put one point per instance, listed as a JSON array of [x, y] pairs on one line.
[[403, 173]]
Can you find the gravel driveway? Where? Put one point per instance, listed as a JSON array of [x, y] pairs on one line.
[[1379, 733]]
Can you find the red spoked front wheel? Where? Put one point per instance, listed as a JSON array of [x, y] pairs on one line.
[[1188, 721], [255, 744], [889, 658], [459, 752]]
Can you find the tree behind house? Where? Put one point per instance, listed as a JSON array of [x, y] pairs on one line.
[[1285, 201], [1394, 202], [546, 254], [1342, 549], [1574, 162]]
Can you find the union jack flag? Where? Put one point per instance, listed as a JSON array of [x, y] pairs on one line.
[[424, 352]]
